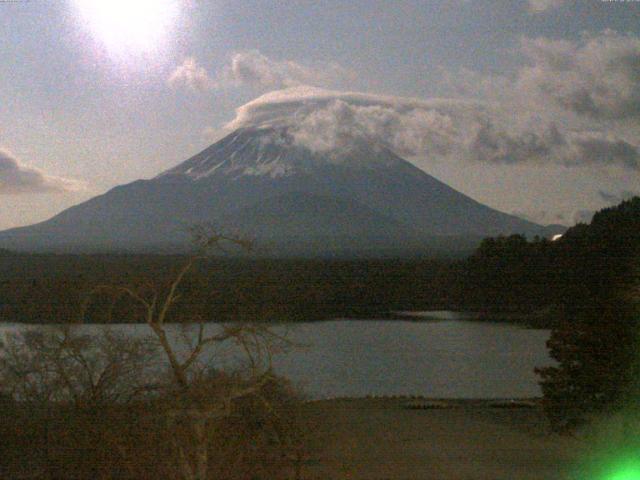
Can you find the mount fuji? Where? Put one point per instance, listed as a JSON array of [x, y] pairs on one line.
[[359, 198]]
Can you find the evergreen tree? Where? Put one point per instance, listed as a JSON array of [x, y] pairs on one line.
[[596, 342]]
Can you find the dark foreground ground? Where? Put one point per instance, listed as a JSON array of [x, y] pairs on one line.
[[461, 440]]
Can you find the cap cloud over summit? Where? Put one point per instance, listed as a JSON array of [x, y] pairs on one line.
[[438, 128]]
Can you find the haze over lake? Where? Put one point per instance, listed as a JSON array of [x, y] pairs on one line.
[[452, 358]]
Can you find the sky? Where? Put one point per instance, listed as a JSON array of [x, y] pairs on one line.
[[531, 107]]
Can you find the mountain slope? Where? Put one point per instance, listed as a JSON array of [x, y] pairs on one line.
[[360, 195]]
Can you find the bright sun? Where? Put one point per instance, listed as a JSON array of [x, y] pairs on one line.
[[129, 26]]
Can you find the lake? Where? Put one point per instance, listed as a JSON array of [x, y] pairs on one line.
[[443, 357]]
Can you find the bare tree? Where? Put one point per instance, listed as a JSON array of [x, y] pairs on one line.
[[197, 403], [62, 365], [70, 396], [112, 405]]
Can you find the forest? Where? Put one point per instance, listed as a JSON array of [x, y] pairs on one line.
[[195, 421], [506, 278], [47, 288]]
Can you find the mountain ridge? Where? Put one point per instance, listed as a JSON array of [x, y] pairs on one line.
[[253, 174]]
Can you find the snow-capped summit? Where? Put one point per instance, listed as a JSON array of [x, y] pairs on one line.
[[274, 152], [353, 197]]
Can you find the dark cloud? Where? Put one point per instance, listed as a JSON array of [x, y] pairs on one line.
[[499, 146], [605, 150], [596, 77], [571, 102], [16, 178]]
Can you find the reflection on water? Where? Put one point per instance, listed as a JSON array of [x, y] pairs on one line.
[[450, 358], [438, 315]]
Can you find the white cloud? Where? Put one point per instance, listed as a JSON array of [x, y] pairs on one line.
[[322, 119], [575, 102], [436, 129], [570, 103], [540, 6], [253, 69], [191, 75], [16, 178]]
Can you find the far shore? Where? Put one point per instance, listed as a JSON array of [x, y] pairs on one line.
[[538, 319]]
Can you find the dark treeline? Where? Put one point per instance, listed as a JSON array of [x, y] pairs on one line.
[[588, 264], [595, 341], [506, 277], [52, 288], [584, 285], [587, 286]]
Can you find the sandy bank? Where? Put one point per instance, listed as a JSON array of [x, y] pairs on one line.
[[436, 439]]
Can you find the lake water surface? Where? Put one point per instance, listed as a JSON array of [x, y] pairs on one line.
[[450, 358]]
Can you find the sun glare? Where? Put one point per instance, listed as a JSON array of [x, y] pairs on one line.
[[629, 473], [129, 26]]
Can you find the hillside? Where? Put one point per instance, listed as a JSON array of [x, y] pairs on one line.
[[359, 198]]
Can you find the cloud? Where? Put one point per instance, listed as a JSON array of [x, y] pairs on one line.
[[496, 144], [323, 119], [16, 178], [604, 149], [540, 6], [551, 145], [541, 217], [437, 128], [191, 75], [594, 79], [253, 69], [597, 77], [616, 198], [570, 102]]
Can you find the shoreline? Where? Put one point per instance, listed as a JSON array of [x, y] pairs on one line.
[[380, 438], [532, 320]]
